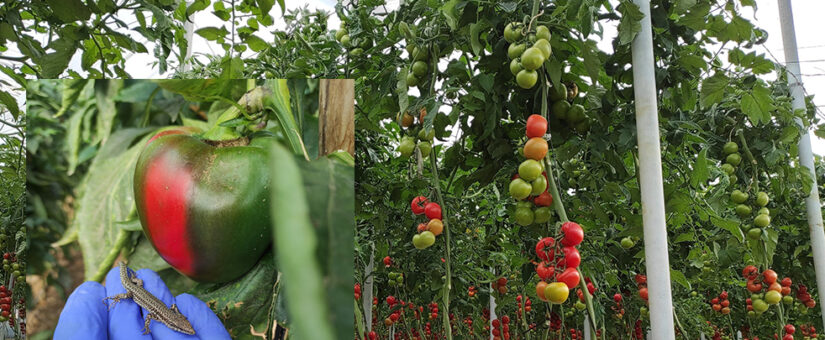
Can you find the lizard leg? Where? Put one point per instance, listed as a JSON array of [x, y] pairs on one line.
[[117, 298], [175, 308], [137, 281], [149, 318]]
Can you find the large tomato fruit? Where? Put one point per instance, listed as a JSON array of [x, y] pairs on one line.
[[540, 289], [204, 205], [536, 126], [544, 248], [535, 148], [572, 258], [545, 271], [570, 277]]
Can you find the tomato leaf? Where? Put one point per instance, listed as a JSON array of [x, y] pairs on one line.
[[713, 89], [630, 24], [756, 104], [700, 173]]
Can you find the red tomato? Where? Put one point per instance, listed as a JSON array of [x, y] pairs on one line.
[[643, 293], [543, 200], [724, 295], [786, 282], [502, 281], [544, 248], [750, 272], [790, 329], [417, 205], [617, 297], [572, 258], [570, 277], [545, 271], [641, 279], [769, 276], [432, 210], [387, 261], [573, 234], [536, 126]]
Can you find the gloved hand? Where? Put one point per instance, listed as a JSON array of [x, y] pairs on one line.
[[87, 316]]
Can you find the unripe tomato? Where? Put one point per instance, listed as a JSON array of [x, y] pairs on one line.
[[524, 216], [515, 66], [542, 32], [520, 189], [512, 32], [412, 80], [417, 205], [539, 185], [730, 147], [529, 170], [556, 292], [762, 220], [545, 48], [526, 79], [516, 50], [536, 126], [419, 68], [542, 215], [532, 58], [773, 297], [432, 210]]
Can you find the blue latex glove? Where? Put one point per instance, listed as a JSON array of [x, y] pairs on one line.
[[86, 316]]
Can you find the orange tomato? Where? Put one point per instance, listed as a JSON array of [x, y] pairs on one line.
[[770, 276], [775, 286], [435, 226], [540, 290], [535, 148]]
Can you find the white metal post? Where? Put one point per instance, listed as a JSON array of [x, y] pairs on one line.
[[587, 327], [492, 309], [806, 157], [366, 297], [650, 175]]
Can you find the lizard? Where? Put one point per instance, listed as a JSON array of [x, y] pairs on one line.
[[171, 317]]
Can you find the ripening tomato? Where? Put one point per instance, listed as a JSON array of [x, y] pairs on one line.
[[540, 288], [535, 148], [775, 287], [432, 210], [435, 226], [417, 205], [536, 126], [557, 292], [422, 227], [640, 279], [573, 234], [544, 248], [786, 282]]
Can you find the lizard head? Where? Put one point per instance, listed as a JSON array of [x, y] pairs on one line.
[[181, 323]]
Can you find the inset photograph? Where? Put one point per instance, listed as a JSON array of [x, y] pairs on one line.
[[13, 246], [208, 209]]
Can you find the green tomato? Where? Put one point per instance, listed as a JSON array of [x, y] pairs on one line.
[[515, 50], [542, 32], [393, 275], [520, 189], [539, 185], [532, 58], [734, 159], [787, 300], [423, 240], [410, 49], [515, 66], [544, 47], [356, 52], [542, 215], [738, 196], [762, 198], [399, 279], [419, 68], [412, 80], [764, 211], [728, 169], [754, 233], [693, 294], [420, 54], [406, 147], [558, 93], [627, 243], [759, 305], [580, 305], [762, 221], [527, 79], [426, 135], [576, 114], [730, 147], [340, 34], [743, 210], [772, 297], [392, 283], [15, 266], [529, 170], [425, 148], [524, 216], [512, 32], [524, 204], [345, 40], [733, 178], [560, 108]]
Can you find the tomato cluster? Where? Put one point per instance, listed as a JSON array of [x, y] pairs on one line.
[[426, 231], [765, 290], [501, 329], [395, 279], [618, 309], [804, 297], [500, 285], [526, 60], [564, 109], [641, 283], [529, 186], [721, 303], [471, 291], [415, 137], [559, 266], [808, 331], [357, 291]]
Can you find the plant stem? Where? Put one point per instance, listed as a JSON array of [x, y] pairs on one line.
[[449, 285], [103, 268], [755, 178]]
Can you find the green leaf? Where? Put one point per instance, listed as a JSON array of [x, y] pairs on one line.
[[53, 64], [757, 104], [683, 5], [8, 101], [731, 226], [105, 92], [475, 31], [106, 197], [630, 24], [196, 6], [449, 11], [680, 278], [592, 64], [266, 5], [700, 172], [713, 89], [279, 103], [70, 10], [212, 33], [296, 243], [232, 68], [71, 90], [255, 43]]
